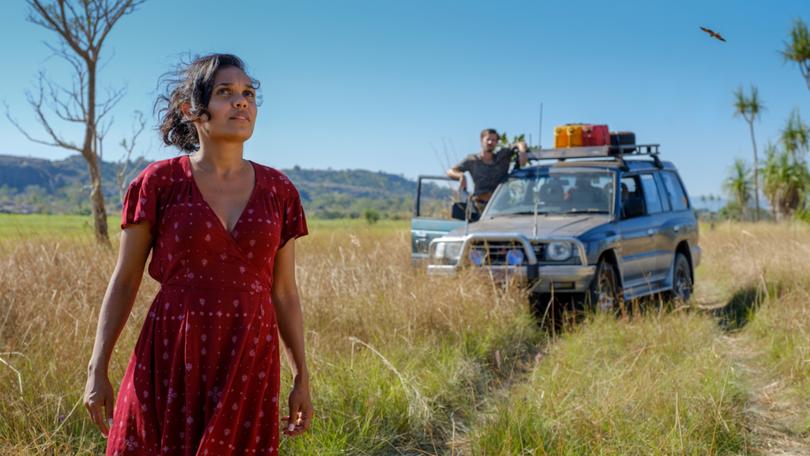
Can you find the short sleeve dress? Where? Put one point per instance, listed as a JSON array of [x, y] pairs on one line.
[[204, 375]]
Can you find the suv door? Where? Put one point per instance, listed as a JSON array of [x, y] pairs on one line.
[[432, 213], [661, 248], [635, 241], [680, 224]]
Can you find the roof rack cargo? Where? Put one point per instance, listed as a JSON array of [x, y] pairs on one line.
[[617, 153]]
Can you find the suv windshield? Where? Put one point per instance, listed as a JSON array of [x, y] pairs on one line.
[[559, 192]]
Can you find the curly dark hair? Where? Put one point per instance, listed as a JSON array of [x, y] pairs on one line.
[[192, 83]]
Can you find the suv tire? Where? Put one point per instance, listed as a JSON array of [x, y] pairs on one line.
[[681, 279], [605, 294]]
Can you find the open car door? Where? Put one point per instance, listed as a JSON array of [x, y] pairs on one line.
[[432, 215]]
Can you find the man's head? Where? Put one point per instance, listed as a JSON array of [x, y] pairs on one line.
[[489, 139]]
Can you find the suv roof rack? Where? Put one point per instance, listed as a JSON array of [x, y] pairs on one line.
[[617, 153]]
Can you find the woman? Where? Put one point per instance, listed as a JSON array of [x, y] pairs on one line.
[[204, 375]]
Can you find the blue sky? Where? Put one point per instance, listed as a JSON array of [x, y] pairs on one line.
[[405, 87]]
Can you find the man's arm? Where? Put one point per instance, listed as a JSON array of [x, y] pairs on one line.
[[523, 157], [455, 173]]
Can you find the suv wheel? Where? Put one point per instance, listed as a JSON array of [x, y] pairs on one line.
[[605, 294], [681, 278]]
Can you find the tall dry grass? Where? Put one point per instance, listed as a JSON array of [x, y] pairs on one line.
[[400, 359], [766, 269], [51, 291], [656, 384], [405, 364], [397, 359], [743, 256]]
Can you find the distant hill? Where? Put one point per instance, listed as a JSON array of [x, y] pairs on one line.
[[60, 186]]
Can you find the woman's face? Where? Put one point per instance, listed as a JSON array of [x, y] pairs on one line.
[[232, 108]]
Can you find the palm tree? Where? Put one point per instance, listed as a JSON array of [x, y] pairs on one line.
[[796, 136], [750, 108], [798, 49], [796, 142], [773, 179], [738, 185], [786, 181]]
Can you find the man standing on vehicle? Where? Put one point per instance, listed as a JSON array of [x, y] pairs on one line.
[[489, 168]]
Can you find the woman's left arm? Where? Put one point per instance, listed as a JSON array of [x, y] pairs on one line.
[[291, 327]]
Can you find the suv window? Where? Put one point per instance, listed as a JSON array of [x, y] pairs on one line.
[[632, 201], [558, 192], [677, 196], [651, 197]]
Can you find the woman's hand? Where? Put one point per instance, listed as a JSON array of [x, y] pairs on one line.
[[99, 400], [301, 411]]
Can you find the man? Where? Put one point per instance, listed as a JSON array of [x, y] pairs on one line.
[[489, 168]]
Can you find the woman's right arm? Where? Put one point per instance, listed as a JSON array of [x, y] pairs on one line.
[[115, 308]]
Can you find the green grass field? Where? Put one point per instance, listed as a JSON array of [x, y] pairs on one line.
[[406, 364], [18, 227]]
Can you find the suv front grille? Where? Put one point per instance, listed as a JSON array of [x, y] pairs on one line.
[[539, 250], [494, 252]]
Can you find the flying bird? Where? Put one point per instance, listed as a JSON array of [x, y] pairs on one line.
[[713, 34]]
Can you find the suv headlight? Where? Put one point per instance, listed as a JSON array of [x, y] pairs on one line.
[[448, 250], [558, 251]]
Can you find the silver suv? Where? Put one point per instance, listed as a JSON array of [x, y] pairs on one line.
[[591, 222]]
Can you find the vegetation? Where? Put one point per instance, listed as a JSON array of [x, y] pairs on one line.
[[32, 185], [405, 364], [798, 48], [371, 216], [661, 384], [761, 273], [785, 174], [738, 187], [749, 107], [81, 29]]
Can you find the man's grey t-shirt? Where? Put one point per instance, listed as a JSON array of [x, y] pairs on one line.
[[487, 176]]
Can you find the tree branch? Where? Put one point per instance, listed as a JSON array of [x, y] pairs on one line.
[[129, 147], [113, 97], [56, 141], [100, 133], [116, 12], [56, 21]]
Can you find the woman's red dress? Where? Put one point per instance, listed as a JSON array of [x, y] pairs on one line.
[[204, 376]]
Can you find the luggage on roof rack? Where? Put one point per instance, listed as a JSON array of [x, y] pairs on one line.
[[618, 152], [622, 138], [581, 135], [564, 153], [598, 135]]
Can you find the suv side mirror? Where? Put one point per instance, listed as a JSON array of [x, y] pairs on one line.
[[459, 212], [632, 206]]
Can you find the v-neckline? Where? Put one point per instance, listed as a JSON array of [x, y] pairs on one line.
[[211, 209]]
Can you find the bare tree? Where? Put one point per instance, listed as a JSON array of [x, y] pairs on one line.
[[128, 144], [82, 26]]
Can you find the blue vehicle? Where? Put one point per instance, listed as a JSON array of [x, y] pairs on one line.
[[607, 223]]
